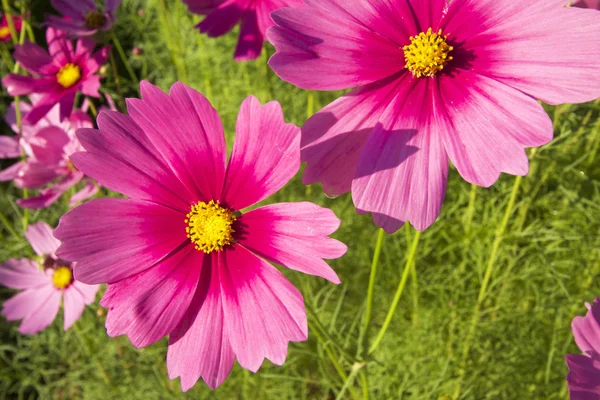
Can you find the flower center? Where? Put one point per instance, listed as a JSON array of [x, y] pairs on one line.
[[4, 32], [62, 277], [94, 20], [68, 75], [210, 226], [427, 53]]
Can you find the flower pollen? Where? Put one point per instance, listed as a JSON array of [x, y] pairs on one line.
[[210, 226], [4, 32], [427, 53], [95, 20], [63, 277], [68, 75]]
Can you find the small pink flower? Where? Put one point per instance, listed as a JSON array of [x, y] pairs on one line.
[[253, 16], [180, 256], [584, 370], [45, 283], [5, 35], [58, 75], [82, 17], [595, 4], [437, 80], [47, 146]]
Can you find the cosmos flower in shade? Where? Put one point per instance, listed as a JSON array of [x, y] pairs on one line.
[[253, 16], [436, 80], [44, 282], [82, 17], [5, 30], [58, 75], [47, 146], [180, 256], [595, 4], [584, 370]]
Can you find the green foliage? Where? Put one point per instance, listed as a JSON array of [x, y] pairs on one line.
[[548, 265]]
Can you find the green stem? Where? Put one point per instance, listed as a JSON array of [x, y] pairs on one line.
[[407, 267], [93, 108], [125, 60], [347, 384], [8, 226], [11, 23], [499, 237]]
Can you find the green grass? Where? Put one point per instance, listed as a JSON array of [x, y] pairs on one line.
[[547, 265]]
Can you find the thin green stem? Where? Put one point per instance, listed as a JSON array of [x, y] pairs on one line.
[[310, 104], [363, 339], [347, 384], [125, 60], [390, 315], [8, 226], [93, 108], [9, 19], [499, 237]]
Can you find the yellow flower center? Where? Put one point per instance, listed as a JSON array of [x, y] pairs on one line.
[[210, 226], [94, 20], [4, 32], [427, 53], [62, 277], [68, 75]]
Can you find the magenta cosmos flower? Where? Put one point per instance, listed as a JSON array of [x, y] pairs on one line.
[[253, 16], [47, 146], [584, 370], [595, 4], [58, 75], [180, 257], [82, 17], [5, 35], [437, 80], [45, 283]]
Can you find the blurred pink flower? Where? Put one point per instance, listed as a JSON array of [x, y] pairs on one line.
[[45, 283], [584, 370], [595, 4], [58, 75], [253, 16], [437, 80], [5, 30], [180, 257], [47, 146], [82, 17]]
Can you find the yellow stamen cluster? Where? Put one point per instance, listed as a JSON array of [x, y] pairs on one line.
[[68, 75], [4, 32], [210, 226], [62, 277], [94, 20], [427, 53]]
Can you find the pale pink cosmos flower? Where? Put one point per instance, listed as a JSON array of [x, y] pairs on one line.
[[436, 80], [253, 16], [181, 257], [44, 282], [5, 34], [82, 17], [584, 370], [47, 146], [58, 75]]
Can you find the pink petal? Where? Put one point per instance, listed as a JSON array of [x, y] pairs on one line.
[[202, 7], [48, 145], [324, 47], [333, 138], [42, 240], [195, 141], [11, 172], [89, 190], [66, 104], [263, 311], [22, 274], [224, 17], [583, 377], [33, 174], [44, 105], [487, 126], [199, 346], [59, 46], [73, 306], [587, 330], [90, 86], [149, 305], [75, 9], [539, 47], [35, 59], [18, 85], [48, 196], [120, 157], [403, 168], [93, 64], [294, 235], [251, 40], [88, 292], [112, 239], [595, 4], [9, 147], [266, 154], [37, 307], [74, 27]]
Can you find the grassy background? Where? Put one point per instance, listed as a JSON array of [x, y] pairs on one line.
[[547, 264]]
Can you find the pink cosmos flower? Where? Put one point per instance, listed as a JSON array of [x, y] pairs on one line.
[[59, 75], [180, 257], [584, 370], [82, 17], [436, 80], [47, 146], [595, 4], [45, 283], [254, 16], [5, 35]]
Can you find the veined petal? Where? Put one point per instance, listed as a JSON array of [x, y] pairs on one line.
[[22, 274], [42, 239], [587, 330]]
